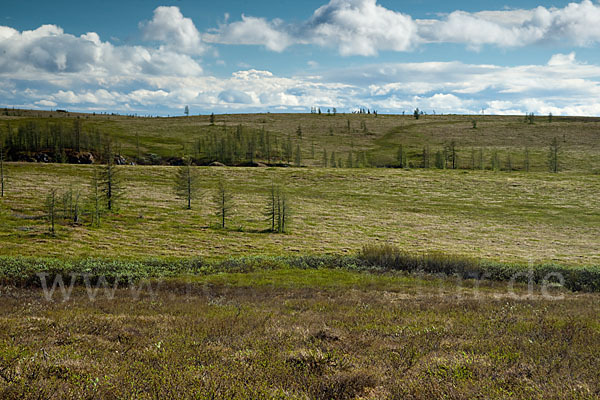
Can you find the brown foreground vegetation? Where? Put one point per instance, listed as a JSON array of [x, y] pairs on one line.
[[313, 334]]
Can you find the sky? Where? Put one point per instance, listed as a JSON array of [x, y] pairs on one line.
[[148, 57]]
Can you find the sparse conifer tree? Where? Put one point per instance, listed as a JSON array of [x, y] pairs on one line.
[[401, 157], [325, 158], [212, 118], [111, 182], [451, 154], [333, 160], [349, 161], [185, 182], [223, 202], [364, 159], [271, 211], [288, 149], [51, 201], [96, 196], [526, 165], [298, 156], [439, 160], [495, 160], [426, 153], [77, 133], [277, 210]]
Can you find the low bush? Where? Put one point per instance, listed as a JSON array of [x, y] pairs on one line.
[[390, 257]]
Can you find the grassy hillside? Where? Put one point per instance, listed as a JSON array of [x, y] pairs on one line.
[[378, 137], [522, 217], [198, 320]]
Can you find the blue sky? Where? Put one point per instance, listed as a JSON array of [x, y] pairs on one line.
[[154, 57]]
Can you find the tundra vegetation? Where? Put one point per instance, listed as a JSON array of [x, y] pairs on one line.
[[192, 263]]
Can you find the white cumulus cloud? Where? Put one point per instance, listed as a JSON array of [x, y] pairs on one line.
[[48, 49], [354, 27], [173, 29], [576, 24], [364, 27]]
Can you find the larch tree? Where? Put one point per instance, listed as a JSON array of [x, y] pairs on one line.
[[426, 153], [185, 182], [96, 205], [111, 182], [451, 154], [278, 210], [401, 157], [271, 210], [223, 202], [51, 210]]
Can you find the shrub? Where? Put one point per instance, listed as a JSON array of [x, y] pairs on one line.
[[387, 256]]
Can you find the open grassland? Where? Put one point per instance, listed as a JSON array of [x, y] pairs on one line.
[[379, 137], [190, 310], [510, 217], [300, 334]]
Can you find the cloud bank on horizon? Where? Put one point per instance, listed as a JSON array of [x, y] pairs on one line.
[[49, 68]]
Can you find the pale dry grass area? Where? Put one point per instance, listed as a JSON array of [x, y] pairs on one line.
[[537, 217]]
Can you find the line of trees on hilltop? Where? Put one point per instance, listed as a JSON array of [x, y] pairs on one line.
[[69, 142]]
